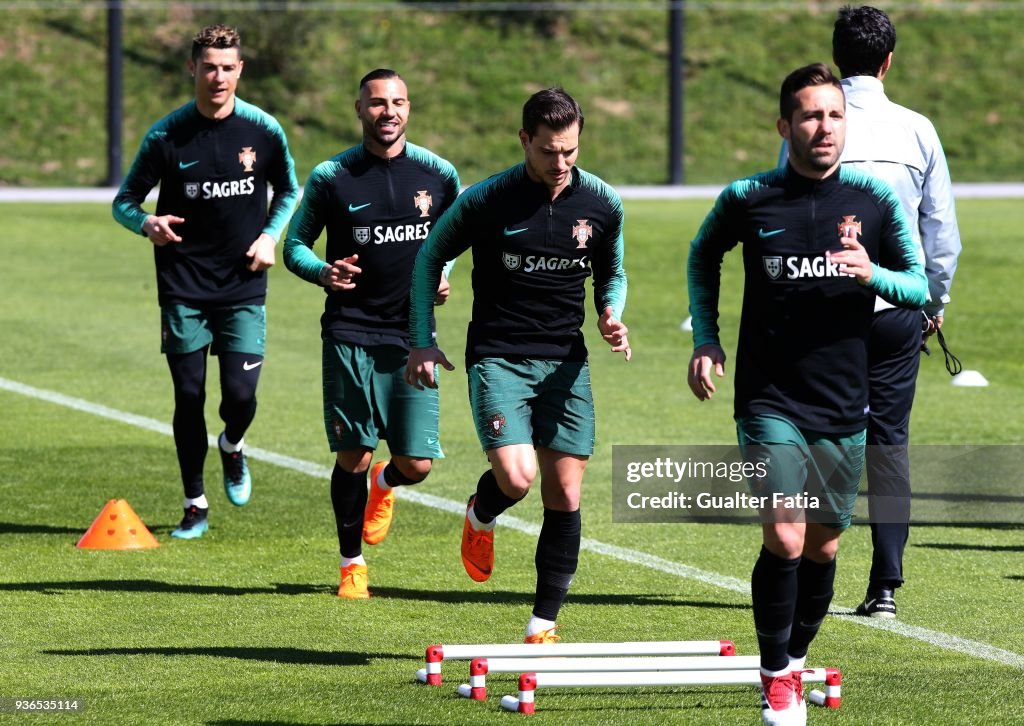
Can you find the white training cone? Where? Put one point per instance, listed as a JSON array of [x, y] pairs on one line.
[[972, 379], [687, 325]]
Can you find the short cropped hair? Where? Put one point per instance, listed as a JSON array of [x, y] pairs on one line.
[[816, 74], [215, 36], [552, 107], [378, 75], [862, 39]]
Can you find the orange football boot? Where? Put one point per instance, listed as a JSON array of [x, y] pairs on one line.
[[380, 509]]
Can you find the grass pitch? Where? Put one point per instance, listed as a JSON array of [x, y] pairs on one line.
[[243, 626]]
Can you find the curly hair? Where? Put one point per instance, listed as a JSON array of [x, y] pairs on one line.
[[215, 36]]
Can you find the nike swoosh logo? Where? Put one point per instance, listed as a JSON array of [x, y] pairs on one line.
[[762, 234], [186, 165], [509, 232], [354, 208], [247, 366]]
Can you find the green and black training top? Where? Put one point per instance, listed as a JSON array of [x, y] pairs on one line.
[[214, 174], [382, 210], [802, 351], [531, 258]]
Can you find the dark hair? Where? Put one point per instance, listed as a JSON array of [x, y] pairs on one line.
[[552, 107], [215, 36], [861, 40], [377, 75], [816, 74]]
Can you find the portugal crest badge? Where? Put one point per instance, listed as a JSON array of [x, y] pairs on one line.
[[422, 202], [496, 424], [849, 227], [247, 157], [582, 232]]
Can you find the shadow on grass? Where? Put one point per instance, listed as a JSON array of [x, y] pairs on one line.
[[957, 524], [526, 598], [233, 722], [290, 656], [394, 593], [15, 528], [674, 699], [156, 586], [978, 548]]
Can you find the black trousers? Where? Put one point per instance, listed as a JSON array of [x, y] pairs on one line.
[[893, 359]]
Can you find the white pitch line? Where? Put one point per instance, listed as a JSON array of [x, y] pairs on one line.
[[931, 637]]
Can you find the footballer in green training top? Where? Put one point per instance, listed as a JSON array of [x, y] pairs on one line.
[[537, 230], [377, 201], [213, 240]]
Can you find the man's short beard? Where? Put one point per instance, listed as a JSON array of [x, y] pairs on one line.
[[820, 163], [386, 144], [370, 132]]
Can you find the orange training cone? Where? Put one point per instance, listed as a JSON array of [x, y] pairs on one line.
[[117, 527]]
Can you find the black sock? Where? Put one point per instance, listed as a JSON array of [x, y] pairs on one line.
[[395, 478], [558, 554], [773, 586], [490, 500], [348, 496], [814, 595]]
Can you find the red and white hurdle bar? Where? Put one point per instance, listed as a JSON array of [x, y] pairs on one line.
[[530, 682], [476, 689], [437, 654]]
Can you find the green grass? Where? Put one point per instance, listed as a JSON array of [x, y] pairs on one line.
[[469, 73], [242, 626]]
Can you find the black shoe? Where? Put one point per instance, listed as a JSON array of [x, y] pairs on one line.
[[878, 603], [193, 524]]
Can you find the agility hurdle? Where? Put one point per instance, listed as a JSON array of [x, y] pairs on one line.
[[437, 654], [530, 682], [476, 689]]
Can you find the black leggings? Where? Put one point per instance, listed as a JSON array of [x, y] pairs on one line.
[[238, 379]]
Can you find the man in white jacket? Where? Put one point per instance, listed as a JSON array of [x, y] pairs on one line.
[[902, 148]]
